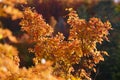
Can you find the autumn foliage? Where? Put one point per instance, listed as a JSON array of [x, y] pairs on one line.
[[8, 8], [72, 58], [9, 63], [80, 48]]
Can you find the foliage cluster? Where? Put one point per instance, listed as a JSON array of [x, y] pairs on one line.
[[8, 8], [9, 63], [66, 59], [80, 48]]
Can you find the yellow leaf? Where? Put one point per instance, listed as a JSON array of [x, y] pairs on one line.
[[94, 69], [1, 36]]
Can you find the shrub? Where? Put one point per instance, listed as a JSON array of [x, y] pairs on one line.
[[80, 48]]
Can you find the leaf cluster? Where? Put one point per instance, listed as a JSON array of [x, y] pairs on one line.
[[80, 48]]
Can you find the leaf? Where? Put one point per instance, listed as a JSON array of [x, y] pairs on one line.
[[12, 39], [1, 36]]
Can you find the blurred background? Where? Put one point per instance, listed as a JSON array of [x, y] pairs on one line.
[[54, 13]]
